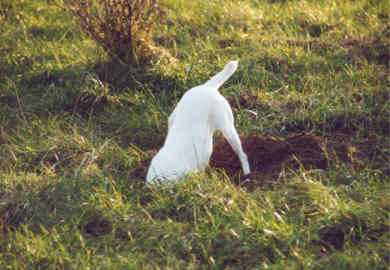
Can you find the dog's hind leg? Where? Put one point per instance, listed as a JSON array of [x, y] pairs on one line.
[[232, 137], [225, 123]]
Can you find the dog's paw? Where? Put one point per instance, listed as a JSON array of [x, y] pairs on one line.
[[245, 180], [232, 65], [246, 176]]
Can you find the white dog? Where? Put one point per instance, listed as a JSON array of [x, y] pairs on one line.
[[189, 143]]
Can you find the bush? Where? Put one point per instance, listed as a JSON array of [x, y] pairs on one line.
[[121, 27]]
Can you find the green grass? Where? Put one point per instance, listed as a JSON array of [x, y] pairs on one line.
[[68, 199]]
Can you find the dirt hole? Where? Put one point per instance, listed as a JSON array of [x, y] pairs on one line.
[[270, 156]]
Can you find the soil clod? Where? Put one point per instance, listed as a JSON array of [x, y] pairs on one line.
[[98, 226]]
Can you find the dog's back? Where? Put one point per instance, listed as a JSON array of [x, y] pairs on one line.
[[193, 109]]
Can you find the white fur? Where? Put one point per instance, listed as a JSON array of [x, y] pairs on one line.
[[189, 143]]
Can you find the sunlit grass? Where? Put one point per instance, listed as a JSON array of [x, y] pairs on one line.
[[69, 194]]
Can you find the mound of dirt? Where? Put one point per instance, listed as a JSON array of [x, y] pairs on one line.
[[269, 156]]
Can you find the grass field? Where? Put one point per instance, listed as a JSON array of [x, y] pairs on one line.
[[76, 131]]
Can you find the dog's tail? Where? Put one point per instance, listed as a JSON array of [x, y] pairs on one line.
[[221, 77]]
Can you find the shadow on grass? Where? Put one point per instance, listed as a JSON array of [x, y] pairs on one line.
[[66, 200], [342, 122], [59, 201], [68, 89], [52, 33], [352, 227], [121, 77]]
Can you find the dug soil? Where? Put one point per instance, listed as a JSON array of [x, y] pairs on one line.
[[271, 157]]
